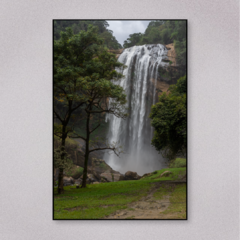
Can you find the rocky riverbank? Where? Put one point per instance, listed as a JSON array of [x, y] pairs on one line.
[[98, 172]]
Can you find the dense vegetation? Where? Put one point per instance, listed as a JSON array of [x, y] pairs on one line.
[[163, 32], [169, 119], [78, 26], [84, 71]]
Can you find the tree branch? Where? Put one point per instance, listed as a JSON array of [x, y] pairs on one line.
[[95, 128], [79, 105], [57, 135], [58, 116], [105, 148]]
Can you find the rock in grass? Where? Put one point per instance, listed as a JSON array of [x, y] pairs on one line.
[[129, 175], [146, 175], [166, 174], [68, 181]]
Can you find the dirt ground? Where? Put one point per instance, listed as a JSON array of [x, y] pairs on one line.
[[148, 207]]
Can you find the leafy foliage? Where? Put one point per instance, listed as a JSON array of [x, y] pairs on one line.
[[62, 162], [163, 32], [75, 172], [84, 75], [82, 25], [169, 119], [178, 163]]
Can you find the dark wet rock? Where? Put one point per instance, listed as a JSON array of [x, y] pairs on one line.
[[129, 175], [122, 177]]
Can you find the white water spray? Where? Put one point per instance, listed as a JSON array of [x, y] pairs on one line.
[[135, 133]]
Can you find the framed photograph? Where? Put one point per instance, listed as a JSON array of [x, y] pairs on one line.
[[120, 119]]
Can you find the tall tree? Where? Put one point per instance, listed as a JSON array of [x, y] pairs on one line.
[[83, 70], [71, 53], [98, 88]]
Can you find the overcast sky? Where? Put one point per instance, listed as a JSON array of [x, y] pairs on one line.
[[122, 29]]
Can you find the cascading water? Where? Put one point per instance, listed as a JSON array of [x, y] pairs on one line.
[[134, 134]]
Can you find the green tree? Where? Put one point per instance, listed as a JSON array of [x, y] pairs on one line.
[[163, 32], [82, 25], [83, 70], [169, 119], [98, 88], [68, 74], [133, 39]]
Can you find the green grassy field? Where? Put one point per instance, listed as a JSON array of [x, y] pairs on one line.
[[99, 200]]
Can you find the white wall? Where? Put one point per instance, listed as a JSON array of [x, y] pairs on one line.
[[26, 119]]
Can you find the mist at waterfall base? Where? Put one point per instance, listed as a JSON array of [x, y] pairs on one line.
[[135, 133]]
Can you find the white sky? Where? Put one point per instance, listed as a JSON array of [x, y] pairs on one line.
[[122, 29]]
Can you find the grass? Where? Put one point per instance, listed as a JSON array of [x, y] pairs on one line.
[[97, 200], [100, 200], [176, 174], [177, 207], [178, 163], [162, 191]]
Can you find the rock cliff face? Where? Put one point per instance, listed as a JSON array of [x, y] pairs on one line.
[[169, 74], [171, 53], [117, 52]]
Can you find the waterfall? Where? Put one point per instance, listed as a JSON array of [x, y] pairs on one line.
[[134, 134]]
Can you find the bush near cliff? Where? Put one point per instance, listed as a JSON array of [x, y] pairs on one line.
[[178, 163], [169, 119]]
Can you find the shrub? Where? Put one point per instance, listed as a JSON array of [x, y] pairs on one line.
[[74, 172], [78, 173], [178, 163]]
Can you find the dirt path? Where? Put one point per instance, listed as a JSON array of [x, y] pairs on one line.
[[147, 207]]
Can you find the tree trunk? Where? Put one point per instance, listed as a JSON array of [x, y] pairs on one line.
[[60, 181], [60, 176], [84, 181]]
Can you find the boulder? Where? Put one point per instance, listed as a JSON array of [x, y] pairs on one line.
[[90, 178], [68, 181], [107, 176], [103, 179], [166, 174], [96, 175], [129, 175], [78, 181], [116, 177], [111, 177], [122, 177]]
